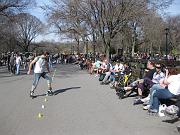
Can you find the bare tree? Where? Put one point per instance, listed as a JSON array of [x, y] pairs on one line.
[[27, 28], [153, 28], [173, 23], [9, 7], [103, 19]]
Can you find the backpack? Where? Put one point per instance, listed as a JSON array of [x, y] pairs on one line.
[[101, 77]]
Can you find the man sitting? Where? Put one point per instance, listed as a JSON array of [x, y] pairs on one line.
[[148, 83], [107, 71], [149, 74]]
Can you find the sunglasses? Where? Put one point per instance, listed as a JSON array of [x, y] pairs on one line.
[[158, 67]]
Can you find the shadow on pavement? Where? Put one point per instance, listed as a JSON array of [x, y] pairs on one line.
[[56, 92], [40, 95], [63, 90]]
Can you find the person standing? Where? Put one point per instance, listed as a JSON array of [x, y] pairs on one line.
[[12, 63], [8, 61], [41, 64], [18, 63]]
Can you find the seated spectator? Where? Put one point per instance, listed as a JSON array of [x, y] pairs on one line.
[[126, 69], [171, 80], [102, 67], [95, 66], [149, 74], [89, 65], [148, 83], [116, 72], [107, 70], [82, 63]]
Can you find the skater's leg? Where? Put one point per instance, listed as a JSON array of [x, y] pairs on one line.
[[35, 81], [49, 82]]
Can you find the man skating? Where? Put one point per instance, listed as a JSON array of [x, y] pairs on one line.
[[41, 64]]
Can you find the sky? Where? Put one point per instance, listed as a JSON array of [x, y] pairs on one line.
[[173, 10], [39, 13]]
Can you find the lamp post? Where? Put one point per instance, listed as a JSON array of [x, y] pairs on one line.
[[166, 51]]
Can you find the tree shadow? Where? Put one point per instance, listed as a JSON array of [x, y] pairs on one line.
[[56, 92]]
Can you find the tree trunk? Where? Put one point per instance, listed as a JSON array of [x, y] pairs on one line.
[[151, 46], [108, 55], [133, 46], [78, 48]]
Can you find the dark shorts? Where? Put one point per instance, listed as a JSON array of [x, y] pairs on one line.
[[147, 84]]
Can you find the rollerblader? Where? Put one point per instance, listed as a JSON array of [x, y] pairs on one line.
[[41, 64]]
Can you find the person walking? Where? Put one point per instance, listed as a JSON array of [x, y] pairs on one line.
[[41, 64], [12, 63], [18, 63], [8, 61]]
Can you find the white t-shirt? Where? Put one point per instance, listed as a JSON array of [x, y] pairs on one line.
[[121, 67], [103, 65], [18, 60], [174, 86], [40, 65], [116, 68]]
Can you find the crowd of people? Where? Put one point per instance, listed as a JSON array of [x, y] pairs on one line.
[[17, 61], [155, 89], [158, 84]]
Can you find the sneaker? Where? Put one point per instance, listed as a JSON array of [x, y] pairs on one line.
[[96, 75], [32, 94], [121, 94], [146, 103], [112, 85], [118, 89], [137, 102], [146, 107], [102, 83], [49, 93], [107, 82], [153, 111], [146, 99]]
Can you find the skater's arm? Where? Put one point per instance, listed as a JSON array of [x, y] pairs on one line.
[[30, 65]]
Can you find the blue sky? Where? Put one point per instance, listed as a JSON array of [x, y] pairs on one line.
[[174, 9], [39, 13]]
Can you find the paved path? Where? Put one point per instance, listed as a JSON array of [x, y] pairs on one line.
[[80, 107]]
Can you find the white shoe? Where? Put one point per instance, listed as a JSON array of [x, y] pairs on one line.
[[146, 99], [96, 75], [146, 107]]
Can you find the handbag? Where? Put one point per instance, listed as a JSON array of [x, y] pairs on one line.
[[101, 77], [162, 109]]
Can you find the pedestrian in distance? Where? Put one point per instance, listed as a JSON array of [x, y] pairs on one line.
[[18, 63], [41, 69]]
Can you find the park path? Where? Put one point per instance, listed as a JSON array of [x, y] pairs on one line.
[[80, 106]]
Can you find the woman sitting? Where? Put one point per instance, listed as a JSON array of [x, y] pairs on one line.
[[171, 89]]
